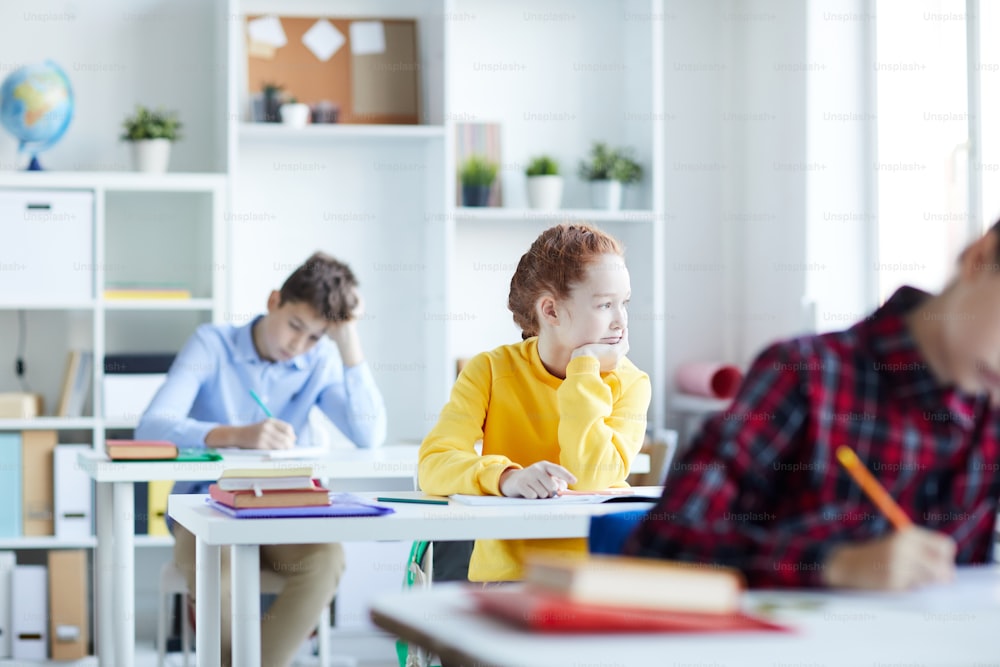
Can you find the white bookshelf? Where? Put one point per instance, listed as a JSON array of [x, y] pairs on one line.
[[336, 131], [144, 228], [499, 214], [159, 304]]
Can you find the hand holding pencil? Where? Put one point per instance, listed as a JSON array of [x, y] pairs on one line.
[[908, 557]]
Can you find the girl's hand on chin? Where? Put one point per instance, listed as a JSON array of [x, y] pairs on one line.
[[609, 354]]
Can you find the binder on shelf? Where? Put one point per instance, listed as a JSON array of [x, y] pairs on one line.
[[76, 383], [37, 448], [10, 485], [8, 559], [158, 491], [29, 612], [68, 627], [140, 497], [73, 501]]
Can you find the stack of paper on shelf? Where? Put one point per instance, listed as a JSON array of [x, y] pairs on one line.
[[599, 593], [140, 450]]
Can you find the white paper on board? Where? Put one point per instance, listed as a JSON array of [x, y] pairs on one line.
[[323, 39], [367, 38], [267, 29]]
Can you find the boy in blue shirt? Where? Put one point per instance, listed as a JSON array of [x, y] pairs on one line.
[[304, 352]]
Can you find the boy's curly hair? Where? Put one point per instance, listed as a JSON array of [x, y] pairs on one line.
[[326, 284]]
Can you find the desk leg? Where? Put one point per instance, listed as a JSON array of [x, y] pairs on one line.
[[207, 592], [105, 576], [245, 566], [124, 572]]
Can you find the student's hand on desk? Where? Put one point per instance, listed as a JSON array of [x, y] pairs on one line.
[[539, 480], [905, 559], [268, 434], [609, 354]]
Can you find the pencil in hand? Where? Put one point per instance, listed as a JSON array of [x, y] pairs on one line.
[[875, 491], [261, 403]]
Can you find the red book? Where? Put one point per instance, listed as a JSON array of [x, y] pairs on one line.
[[316, 496], [547, 612], [140, 450]]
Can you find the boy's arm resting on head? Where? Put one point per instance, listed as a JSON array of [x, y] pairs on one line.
[[354, 404], [600, 433], [704, 515], [449, 462], [166, 417]]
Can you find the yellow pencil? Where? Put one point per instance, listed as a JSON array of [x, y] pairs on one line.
[[875, 491]]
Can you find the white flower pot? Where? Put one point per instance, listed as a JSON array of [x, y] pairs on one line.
[[151, 156], [545, 192], [294, 114], [606, 195]]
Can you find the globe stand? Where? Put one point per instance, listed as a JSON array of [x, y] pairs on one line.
[[34, 165]]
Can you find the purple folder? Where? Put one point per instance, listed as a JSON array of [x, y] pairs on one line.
[[341, 504]]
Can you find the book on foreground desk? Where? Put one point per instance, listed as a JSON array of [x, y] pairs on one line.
[[341, 504], [547, 612], [600, 593]]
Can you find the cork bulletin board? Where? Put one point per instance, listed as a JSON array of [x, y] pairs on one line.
[[377, 84]]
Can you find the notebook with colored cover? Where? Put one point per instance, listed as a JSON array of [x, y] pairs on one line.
[[341, 504], [545, 612], [316, 496]]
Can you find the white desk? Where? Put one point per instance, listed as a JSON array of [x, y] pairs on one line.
[[392, 467], [844, 630], [214, 530]]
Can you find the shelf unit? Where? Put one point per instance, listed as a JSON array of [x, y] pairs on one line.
[[354, 188], [179, 218]]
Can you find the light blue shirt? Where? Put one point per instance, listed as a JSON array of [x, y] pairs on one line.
[[209, 385]]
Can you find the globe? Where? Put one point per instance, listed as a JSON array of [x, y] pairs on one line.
[[36, 106]]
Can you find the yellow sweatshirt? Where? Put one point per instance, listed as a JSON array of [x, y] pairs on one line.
[[591, 423]]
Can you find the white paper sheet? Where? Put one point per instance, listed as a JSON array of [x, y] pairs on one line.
[[367, 38], [323, 39], [267, 29]]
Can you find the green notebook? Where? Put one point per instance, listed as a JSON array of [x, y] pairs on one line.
[[197, 454]]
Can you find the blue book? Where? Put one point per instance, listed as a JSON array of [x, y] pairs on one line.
[[10, 485], [341, 504]]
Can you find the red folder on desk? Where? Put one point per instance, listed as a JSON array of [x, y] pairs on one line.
[[544, 612]]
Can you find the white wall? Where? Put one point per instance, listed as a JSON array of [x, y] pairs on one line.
[[119, 53], [841, 210]]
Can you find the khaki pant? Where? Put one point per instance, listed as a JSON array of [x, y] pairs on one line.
[[312, 573]]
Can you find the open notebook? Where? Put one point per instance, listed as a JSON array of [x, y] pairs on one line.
[[610, 496]]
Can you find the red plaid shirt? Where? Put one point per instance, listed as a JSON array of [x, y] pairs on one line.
[[760, 489]]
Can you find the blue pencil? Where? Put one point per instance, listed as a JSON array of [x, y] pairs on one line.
[[263, 407]]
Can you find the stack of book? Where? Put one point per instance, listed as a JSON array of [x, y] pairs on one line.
[[602, 593], [260, 493]]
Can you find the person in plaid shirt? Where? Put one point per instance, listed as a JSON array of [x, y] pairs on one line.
[[914, 389]]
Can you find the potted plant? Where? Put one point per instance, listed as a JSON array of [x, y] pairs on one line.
[[151, 133], [608, 169], [294, 113], [477, 175], [545, 185], [272, 102]]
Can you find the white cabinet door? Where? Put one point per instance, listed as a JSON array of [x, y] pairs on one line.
[[46, 246]]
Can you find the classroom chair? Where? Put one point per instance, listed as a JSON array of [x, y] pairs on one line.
[[172, 582]]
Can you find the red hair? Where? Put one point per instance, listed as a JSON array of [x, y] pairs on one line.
[[555, 262]]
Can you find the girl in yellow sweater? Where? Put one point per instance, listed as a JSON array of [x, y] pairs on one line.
[[564, 408]]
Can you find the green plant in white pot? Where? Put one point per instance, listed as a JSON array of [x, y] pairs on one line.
[[608, 169], [151, 133], [545, 185]]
